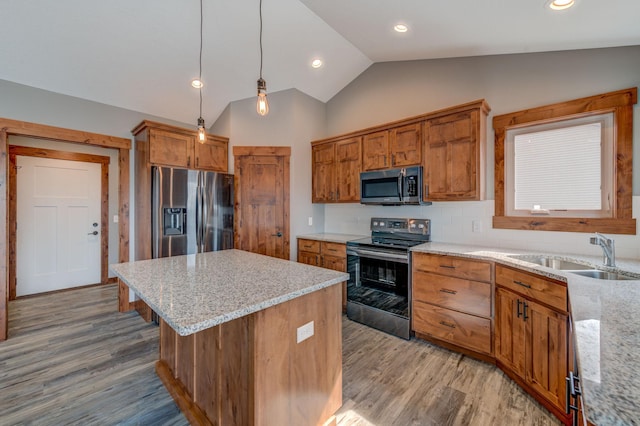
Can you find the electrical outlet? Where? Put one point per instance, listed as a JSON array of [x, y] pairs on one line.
[[305, 331], [115, 218], [310, 221], [476, 226]]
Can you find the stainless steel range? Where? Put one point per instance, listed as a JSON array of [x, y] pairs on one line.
[[379, 286]]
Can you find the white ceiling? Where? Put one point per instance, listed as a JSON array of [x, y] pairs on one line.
[[143, 54]]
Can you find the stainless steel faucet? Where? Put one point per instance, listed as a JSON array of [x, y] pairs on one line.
[[608, 248]]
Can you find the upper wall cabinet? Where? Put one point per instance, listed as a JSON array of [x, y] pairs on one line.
[[454, 154], [174, 146], [336, 171], [396, 147]]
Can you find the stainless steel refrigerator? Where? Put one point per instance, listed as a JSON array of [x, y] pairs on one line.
[[192, 211]]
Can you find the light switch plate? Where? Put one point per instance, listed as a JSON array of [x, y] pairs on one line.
[[305, 331]]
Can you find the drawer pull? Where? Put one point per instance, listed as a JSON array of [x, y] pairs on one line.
[[331, 249], [446, 290], [446, 324], [307, 247], [447, 266], [522, 284]]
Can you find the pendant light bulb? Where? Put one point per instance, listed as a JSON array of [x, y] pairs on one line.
[[262, 106], [202, 134]]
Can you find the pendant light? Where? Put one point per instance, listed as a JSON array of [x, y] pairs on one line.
[[262, 105], [202, 135]]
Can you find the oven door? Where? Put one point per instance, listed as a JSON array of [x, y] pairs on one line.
[[378, 289]]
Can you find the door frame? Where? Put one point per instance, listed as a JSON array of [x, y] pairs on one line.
[[268, 151], [10, 127], [14, 151]]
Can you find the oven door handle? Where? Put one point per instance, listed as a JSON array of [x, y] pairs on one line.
[[402, 258]]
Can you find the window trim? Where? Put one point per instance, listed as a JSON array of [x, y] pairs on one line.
[[621, 104]]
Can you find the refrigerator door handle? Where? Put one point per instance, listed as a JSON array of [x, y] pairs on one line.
[[199, 215]]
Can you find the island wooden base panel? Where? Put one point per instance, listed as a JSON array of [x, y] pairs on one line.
[[252, 370]]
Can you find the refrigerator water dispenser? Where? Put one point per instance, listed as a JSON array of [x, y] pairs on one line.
[[175, 221]]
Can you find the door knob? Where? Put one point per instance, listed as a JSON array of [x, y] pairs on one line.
[[93, 233], [279, 234]]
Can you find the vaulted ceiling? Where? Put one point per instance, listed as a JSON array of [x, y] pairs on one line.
[[143, 54]]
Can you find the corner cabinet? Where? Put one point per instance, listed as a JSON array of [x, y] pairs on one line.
[[532, 335], [325, 254], [452, 303], [336, 171], [454, 153]]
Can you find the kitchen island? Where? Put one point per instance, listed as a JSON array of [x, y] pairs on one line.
[[245, 338]]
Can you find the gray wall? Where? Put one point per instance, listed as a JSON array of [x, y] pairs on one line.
[[294, 120], [394, 90]]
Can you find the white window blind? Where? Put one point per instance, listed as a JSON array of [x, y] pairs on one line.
[[559, 169]]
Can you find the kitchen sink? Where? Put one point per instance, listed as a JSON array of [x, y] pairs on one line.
[[552, 262], [604, 275]]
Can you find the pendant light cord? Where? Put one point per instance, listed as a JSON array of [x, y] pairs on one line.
[[260, 39], [200, 73]]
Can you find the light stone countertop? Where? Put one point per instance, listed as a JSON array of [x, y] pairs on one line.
[[332, 238], [195, 292], [606, 325]]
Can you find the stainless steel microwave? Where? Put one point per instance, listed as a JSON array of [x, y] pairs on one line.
[[392, 187]]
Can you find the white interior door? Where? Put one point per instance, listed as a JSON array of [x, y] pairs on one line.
[[58, 224]]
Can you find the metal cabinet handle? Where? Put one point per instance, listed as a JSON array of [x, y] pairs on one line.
[[188, 160], [446, 290], [520, 283], [447, 266], [524, 311], [393, 159], [279, 234], [93, 233], [518, 312], [446, 324]]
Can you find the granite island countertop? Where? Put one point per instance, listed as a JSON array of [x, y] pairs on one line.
[[606, 326], [195, 292]]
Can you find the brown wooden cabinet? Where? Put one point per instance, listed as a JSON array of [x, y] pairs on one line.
[[177, 147], [325, 254], [531, 336], [336, 171], [164, 145], [454, 154], [451, 302], [396, 147]]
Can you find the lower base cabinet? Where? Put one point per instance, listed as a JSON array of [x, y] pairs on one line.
[[325, 254], [532, 337]]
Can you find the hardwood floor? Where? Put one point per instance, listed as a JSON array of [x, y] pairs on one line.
[[71, 358]]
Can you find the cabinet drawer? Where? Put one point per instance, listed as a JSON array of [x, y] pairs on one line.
[[454, 327], [311, 246], [334, 262], [541, 289], [452, 266], [334, 249], [468, 296]]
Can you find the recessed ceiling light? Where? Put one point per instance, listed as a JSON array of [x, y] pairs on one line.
[[197, 83], [560, 4], [401, 28], [316, 63]]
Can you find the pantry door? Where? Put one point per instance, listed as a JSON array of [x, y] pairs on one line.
[[59, 224]]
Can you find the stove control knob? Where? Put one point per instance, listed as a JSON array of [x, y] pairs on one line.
[[375, 223], [381, 223], [421, 226]]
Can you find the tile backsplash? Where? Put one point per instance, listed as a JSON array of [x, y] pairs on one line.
[[470, 222]]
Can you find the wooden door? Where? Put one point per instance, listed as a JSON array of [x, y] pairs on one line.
[[170, 149], [323, 173], [347, 169], [375, 151], [510, 331], [405, 145], [212, 154], [547, 354], [262, 200], [452, 157]]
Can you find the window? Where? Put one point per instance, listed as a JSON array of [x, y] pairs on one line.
[[561, 169], [567, 166]]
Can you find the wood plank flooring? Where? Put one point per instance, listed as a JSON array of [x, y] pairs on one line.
[[71, 358]]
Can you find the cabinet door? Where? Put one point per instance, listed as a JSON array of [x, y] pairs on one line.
[[170, 149], [452, 157], [334, 262], [510, 334], [323, 178], [405, 145], [547, 352], [348, 160], [309, 258], [212, 155], [375, 151]]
